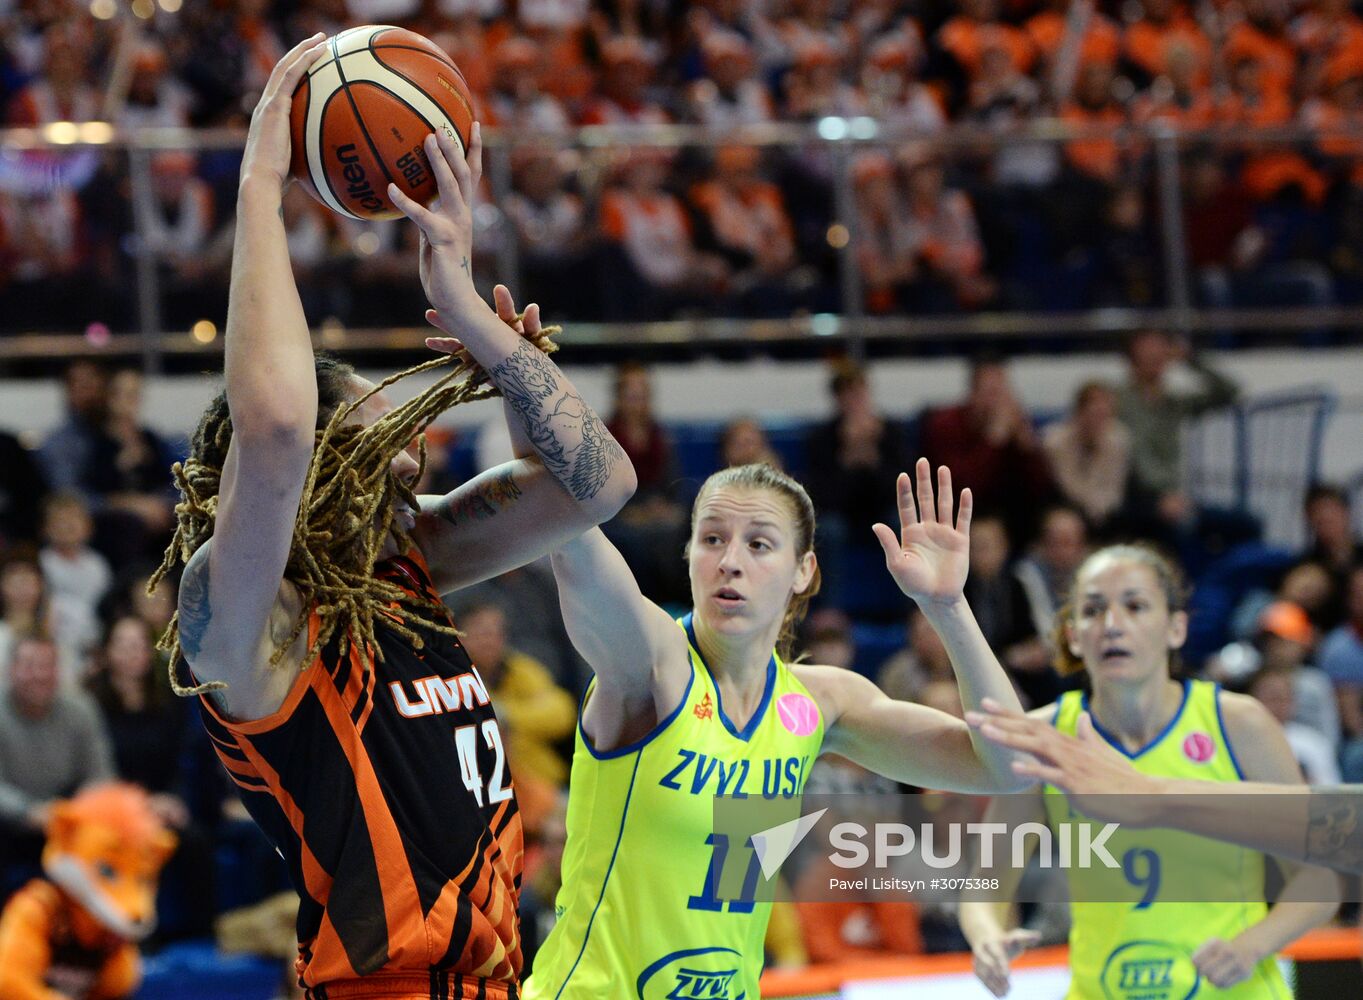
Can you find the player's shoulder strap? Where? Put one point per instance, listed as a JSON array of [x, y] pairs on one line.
[[1067, 710]]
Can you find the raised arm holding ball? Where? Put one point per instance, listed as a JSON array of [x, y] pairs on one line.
[[310, 624]]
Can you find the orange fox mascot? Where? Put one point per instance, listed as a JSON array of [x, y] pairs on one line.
[[74, 933]]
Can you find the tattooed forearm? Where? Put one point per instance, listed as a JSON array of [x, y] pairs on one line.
[[478, 504], [1334, 833], [570, 438], [195, 611]]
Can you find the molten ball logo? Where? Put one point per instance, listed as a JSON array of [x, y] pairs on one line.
[[1199, 748], [798, 713]]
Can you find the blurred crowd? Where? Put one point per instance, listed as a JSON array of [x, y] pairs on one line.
[[621, 234], [84, 692]]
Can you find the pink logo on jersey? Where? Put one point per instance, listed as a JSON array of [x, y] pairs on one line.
[[1199, 748], [798, 713]]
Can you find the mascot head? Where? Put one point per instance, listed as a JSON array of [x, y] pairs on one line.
[[105, 848]]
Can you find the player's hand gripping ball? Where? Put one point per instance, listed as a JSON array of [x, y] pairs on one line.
[[359, 117]]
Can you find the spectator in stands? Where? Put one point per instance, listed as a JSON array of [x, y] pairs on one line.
[[1338, 112], [1341, 657], [1128, 265], [1164, 28], [517, 102], [133, 474], [552, 232], [963, 39], [923, 661], [1310, 586], [537, 715], [154, 98], [539, 631], [729, 94], [1154, 416], [62, 90], [1067, 32], [145, 722], [1324, 30], [1093, 165], [1263, 39], [942, 230], [1005, 99], [1314, 753], [814, 86], [177, 224], [76, 576], [52, 743], [21, 493], [832, 645], [1333, 544], [68, 451], [1005, 617], [1180, 95], [743, 441], [1285, 641], [886, 255], [750, 228], [41, 256], [894, 94], [1090, 454], [652, 527], [650, 235], [262, 47], [1282, 638], [24, 607], [628, 66], [992, 446], [1045, 573], [851, 457], [1226, 245]]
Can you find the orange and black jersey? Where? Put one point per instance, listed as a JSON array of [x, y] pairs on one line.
[[385, 787]]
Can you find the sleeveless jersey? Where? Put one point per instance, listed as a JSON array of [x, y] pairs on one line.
[[384, 786], [639, 914], [1141, 948]]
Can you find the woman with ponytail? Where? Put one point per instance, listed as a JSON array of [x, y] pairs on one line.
[[681, 711], [1183, 916]]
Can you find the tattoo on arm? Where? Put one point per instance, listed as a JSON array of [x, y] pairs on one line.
[[195, 610], [568, 435], [479, 504], [1334, 832]]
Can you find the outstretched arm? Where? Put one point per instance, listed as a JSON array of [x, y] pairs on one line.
[[578, 476], [1322, 826], [232, 585], [929, 560]]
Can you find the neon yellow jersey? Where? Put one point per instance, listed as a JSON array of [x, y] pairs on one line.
[[1141, 949], [639, 914]]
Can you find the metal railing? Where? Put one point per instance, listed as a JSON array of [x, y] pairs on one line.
[[843, 138]]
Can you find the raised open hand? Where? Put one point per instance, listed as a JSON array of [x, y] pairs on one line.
[[930, 558]]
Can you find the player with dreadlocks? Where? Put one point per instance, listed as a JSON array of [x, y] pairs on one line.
[[310, 626]]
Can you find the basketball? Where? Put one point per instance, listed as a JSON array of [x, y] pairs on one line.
[[359, 118]]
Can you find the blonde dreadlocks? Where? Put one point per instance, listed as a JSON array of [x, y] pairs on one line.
[[345, 512]]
